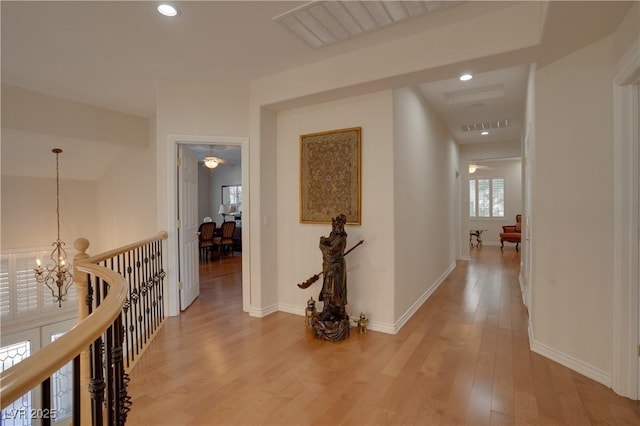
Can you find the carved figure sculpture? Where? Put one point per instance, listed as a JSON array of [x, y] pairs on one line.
[[333, 322], [334, 269]]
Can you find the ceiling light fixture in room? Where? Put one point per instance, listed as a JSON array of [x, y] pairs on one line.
[[168, 10], [466, 77], [472, 168], [211, 162]]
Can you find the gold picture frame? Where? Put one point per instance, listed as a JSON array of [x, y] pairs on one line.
[[330, 176]]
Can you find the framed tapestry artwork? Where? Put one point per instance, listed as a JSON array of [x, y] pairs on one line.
[[330, 178]]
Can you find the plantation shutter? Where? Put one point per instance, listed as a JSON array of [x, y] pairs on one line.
[[497, 194]]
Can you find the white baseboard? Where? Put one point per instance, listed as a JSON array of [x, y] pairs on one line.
[[418, 303], [262, 312], [382, 327], [522, 290], [491, 243], [291, 309], [570, 362]]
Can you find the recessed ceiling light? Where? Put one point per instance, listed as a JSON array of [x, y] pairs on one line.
[[485, 133], [466, 77], [168, 10]]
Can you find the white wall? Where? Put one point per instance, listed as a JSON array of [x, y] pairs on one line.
[[371, 266], [126, 200], [224, 174], [359, 73], [424, 191], [24, 109], [209, 191], [205, 193], [102, 156], [572, 198], [29, 211]]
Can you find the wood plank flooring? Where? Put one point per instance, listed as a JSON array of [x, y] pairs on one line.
[[463, 359]]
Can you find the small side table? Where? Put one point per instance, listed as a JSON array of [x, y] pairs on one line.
[[477, 233]]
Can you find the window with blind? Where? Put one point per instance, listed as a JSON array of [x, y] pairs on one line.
[[486, 197], [21, 296]]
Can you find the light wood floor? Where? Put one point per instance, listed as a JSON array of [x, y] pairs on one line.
[[463, 359]]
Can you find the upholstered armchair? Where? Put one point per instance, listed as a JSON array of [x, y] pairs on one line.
[[511, 233]]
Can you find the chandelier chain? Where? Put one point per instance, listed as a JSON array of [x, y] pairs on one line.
[[58, 191]]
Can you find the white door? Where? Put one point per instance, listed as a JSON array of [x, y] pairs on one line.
[[189, 276]]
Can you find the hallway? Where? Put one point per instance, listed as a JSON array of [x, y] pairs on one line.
[[462, 359]]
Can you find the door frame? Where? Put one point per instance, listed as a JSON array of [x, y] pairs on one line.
[[626, 228], [173, 300]]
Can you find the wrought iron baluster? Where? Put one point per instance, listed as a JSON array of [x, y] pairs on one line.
[[120, 397], [130, 311], [96, 383], [77, 420], [161, 275], [46, 402], [135, 297], [152, 299], [154, 279], [109, 375]]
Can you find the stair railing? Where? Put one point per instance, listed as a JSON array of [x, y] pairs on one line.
[[120, 292]]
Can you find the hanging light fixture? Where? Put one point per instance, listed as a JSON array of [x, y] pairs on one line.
[[211, 162], [56, 275]]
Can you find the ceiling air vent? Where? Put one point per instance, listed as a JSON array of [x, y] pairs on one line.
[[488, 125], [320, 23]]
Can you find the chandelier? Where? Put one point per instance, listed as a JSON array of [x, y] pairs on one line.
[[55, 274]]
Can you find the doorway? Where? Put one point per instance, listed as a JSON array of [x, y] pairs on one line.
[[173, 246]]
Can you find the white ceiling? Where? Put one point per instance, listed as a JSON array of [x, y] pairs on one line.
[[113, 54], [487, 98]]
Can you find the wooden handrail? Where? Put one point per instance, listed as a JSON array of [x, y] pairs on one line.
[[115, 252], [30, 372]]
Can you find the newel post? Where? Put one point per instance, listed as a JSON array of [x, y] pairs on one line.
[[82, 283]]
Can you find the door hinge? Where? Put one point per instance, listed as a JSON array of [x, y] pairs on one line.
[[638, 351], [180, 285], [179, 161], [179, 224]]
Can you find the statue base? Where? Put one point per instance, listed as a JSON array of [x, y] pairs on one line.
[[332, 331]]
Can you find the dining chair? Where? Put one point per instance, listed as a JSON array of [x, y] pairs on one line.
[[225, 239], [206, 233]]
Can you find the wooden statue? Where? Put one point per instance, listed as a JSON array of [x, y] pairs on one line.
[[332, 323]]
